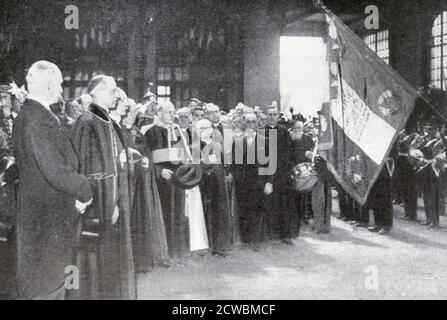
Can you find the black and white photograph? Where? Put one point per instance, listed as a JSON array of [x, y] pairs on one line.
[[236, 152]]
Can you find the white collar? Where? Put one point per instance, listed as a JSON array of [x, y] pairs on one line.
[[217, 124], [43, 103]]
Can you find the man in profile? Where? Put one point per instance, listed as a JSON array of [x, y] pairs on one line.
[[107, 259], [50, 189]]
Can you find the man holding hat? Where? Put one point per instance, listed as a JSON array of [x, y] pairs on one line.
[[106, 239], [168, 147]]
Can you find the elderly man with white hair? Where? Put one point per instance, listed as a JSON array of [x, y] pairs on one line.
[[50, 189], [249, 182], [106, 239]]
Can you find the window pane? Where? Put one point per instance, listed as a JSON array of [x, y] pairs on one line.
[[77, 93], [439, 51], [178, 74], [161, 90], [379, 43], [185, 73], [67, 93], [78, 76], [186, 95], [161, 73], [178, 94], [167, 73]]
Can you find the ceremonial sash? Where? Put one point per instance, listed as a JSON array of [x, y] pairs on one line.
[[168, 155]]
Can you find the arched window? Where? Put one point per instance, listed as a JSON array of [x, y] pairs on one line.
[[438, 67]]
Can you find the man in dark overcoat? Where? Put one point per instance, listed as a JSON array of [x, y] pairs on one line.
[[49, 189]]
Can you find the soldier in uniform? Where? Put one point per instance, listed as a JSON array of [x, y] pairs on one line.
[[424, 151]]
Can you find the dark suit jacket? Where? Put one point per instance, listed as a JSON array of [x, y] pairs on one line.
[[246, 166], [285, 158], [48, 187]]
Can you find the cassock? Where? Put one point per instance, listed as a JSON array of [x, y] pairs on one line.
[[150, 248], [249, 187], [48, 188], [224, 136], [280, 205], [215, 199], [166, 147], [107, 269], [148, 227]]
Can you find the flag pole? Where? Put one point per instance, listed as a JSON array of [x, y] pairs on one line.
[[320, 5]]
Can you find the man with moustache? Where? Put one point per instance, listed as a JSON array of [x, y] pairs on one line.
[[106, 261]]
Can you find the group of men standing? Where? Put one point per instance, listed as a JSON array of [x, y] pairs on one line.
[[117, 194], [63, 176]]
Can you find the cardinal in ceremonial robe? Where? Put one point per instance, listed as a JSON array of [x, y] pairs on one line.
[[167, 146], [106, 259]]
